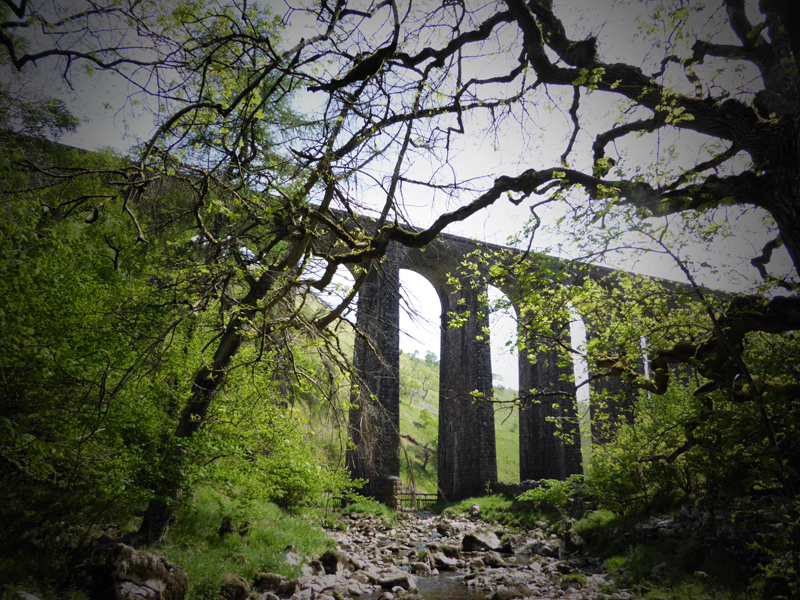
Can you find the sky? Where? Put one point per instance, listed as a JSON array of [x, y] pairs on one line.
[[107, 121]]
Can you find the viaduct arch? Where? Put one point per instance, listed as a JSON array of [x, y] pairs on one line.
[[467, 455]]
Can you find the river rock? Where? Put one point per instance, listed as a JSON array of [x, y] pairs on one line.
[[548, 548], [511, 591], [418, 543], [450, 551], [292, 556], [234, 587], [313, 568], [480, 540], [304, 594], [573, 541], [493, 559], [276, 584], [445, 529], [361, 577], [443, 562], [334, 561], [519, 543], [392, 579], [143, 576], [421, 568]]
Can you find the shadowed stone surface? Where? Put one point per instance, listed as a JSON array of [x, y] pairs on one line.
[[467, 454], [375, 423]]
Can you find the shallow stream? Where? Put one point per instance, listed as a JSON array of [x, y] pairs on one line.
[[447, 586]]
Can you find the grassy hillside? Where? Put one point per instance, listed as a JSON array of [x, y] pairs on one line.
[[506, 426], [419, 425], [419, 417]]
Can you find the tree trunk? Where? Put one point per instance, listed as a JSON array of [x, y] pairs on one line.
[[785, 209], [167, 491]]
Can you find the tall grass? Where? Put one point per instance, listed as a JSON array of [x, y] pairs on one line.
[[195, 543]]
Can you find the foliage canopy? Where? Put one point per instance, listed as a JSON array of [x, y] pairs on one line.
[[212, 236]]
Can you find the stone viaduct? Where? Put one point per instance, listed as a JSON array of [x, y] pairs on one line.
[[467, 455]]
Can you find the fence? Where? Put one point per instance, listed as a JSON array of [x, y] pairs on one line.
[[418, 500]]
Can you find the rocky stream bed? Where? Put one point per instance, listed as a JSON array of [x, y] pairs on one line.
[[420, 556], [437, 558]]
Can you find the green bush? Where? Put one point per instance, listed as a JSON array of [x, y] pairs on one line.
[[554, 492]]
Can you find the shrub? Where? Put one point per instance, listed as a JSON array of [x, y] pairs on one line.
[[553, 491]]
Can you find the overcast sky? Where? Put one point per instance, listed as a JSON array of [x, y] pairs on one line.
[[106, 121]]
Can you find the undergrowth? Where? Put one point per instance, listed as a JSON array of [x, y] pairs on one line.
[[666, 569], [262, 533]]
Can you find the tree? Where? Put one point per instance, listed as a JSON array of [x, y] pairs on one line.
[[391, 87]]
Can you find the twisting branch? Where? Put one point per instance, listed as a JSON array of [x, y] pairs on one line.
[[760, 262], [370, 66], [573, 113], [712, 163], [19, 11], [605, 138]]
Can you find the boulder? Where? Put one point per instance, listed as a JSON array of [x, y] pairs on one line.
[[573, 541], [546, 548], [275, 584], [313, 568], [450, 551], [443, 562], [421, 568], [361, 577], [292, 556], [234, 587], [334, 561], [480, 540], [493, 559], [445, 529], [393, 579], [139, 575], [511, 591], [518, 543]]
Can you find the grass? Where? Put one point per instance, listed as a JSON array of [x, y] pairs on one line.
[[506, 431], [194, 541], [373, 508], [419, 422], [597, 528], [500, 509]]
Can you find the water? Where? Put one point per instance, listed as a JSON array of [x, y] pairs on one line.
[[447, 586]]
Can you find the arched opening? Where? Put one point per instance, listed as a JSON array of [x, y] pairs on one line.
[[581, 370], [420, 335], [505, 378], [323, 384]]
